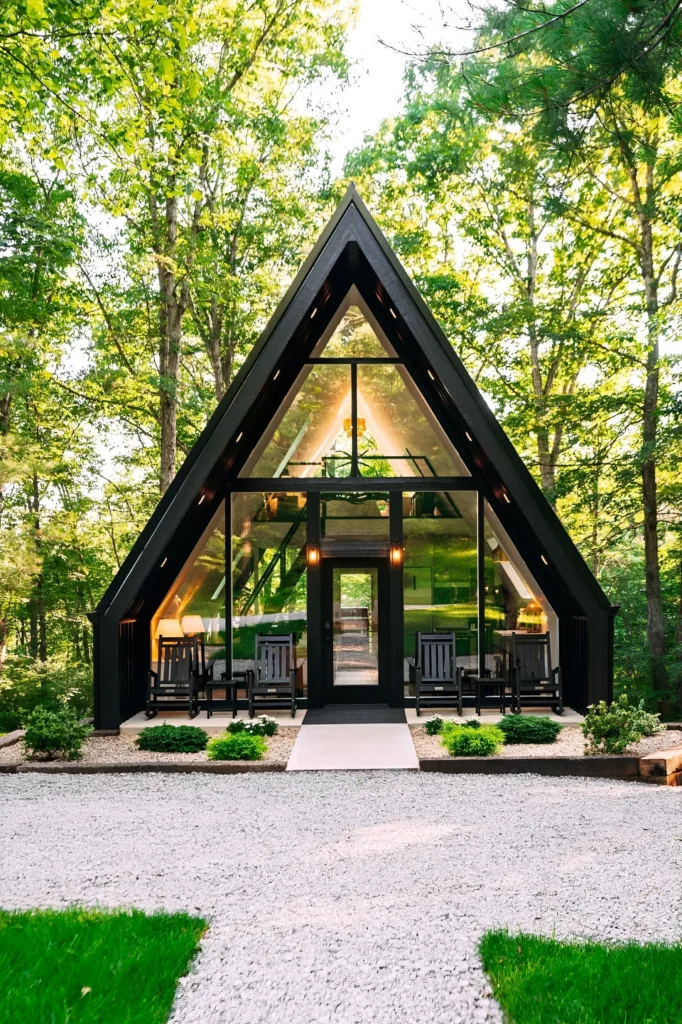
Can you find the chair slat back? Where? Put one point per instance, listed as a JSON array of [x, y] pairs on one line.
[[177, 660], [275, 658], [436, 657], [531, 657]]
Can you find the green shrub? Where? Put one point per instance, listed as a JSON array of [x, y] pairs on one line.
[[529, 729], [264, 725], [434, 724], [461, 741], [172, 739], [612, 728], [26, 684], [237, 746], [50, 734]]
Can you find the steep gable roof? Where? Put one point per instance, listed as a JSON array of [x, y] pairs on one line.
[[353, 250]]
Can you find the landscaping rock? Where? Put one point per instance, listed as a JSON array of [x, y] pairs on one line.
[[354, 897]]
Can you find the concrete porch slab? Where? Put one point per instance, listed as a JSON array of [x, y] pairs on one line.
[[218, 721], [344, 747], [569, 717]]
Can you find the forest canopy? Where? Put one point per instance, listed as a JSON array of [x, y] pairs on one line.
[[164, 170]]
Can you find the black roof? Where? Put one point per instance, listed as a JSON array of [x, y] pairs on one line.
[[351, 249]]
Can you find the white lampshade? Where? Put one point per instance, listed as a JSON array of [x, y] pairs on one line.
[[169, 628], [193, 624]]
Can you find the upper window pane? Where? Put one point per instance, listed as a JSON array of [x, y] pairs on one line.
[[353, 339], [397, 433], [311, 434]]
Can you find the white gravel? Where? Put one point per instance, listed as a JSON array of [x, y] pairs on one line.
[[353, 898]]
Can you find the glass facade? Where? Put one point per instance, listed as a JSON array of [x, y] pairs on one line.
[[513, 600], [269, 574], [197, 597], [354, 520], [440, 574], [397, 436], [370, 411]]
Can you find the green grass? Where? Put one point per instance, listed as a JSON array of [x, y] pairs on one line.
[[90, 967], [541, 981]]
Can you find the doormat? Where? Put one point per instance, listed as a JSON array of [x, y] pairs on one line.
[[354, 714]]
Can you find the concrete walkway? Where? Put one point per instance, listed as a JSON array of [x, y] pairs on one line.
[[333, 747]]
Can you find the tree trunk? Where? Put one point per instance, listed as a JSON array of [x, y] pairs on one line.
[[655, 617], [171, 312]]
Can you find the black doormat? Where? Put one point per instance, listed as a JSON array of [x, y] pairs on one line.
[[354, 714]]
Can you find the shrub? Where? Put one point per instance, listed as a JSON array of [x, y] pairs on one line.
[[54, 733], [433, 724], [461, 741], [26, 684], [172, 739], [264, 725], [529, 729], [611, 728], [237, 746]]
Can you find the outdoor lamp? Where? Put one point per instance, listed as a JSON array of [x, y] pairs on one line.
[[192, 624], [396, 554], [169, 628], [313, 555]]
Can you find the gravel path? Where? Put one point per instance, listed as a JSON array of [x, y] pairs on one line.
[[353, 898]]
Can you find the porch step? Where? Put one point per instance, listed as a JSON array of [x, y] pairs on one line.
[[353, 747]]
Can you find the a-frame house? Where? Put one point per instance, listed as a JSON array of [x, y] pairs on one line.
[[354, 488]]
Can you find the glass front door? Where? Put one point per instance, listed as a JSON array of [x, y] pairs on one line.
[[354, 608]]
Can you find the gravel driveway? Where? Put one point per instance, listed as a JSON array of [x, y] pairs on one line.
[[349, 897]]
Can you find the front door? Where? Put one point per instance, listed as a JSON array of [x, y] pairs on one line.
[[354, 614]]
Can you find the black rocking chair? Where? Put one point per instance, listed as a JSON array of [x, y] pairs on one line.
[[535, 683], [175, 684], [272, 683], [438, 681]]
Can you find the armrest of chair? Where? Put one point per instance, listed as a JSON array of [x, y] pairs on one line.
[[153, 675], [557, 672], [458, 675]]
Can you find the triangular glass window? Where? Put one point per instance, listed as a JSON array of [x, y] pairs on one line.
[[312, 433]]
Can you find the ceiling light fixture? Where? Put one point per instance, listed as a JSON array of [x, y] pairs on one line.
[[276, 375], [313, 313], [164, 562], [468, 436], [393, 313]]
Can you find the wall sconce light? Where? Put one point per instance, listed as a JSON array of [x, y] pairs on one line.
[[313, 555], [396, 554]]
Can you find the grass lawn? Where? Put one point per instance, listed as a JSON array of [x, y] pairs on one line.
[[90, 967], [540, 981]]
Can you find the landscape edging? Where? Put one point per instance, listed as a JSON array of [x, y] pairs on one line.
[[169, 767], [583, 767]]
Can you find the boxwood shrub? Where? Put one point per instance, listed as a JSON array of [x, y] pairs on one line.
[[461, 741], [529, 729], [52, 734], [172, 739], [237, 746]]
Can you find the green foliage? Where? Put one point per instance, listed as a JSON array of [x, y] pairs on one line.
[[611, 728], [460, 741], [264, 725], [529, 729], [172, 739], [542, 981], [238, 746], [51, 734], [26, 684], [90, 966], [434, 724]]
